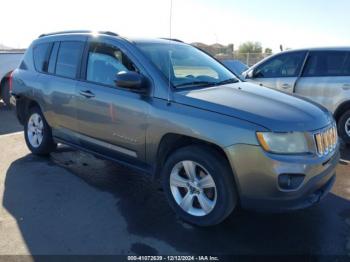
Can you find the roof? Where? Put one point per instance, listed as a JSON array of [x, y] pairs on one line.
[[72, 32], [108, 33], [155, 40], [330, 48]]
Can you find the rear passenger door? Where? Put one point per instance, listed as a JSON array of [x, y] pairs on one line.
[[112, 120], [280, 72], [58, 88], [326, 78]]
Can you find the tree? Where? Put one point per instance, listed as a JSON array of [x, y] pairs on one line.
[[268, 51], [250, 47]]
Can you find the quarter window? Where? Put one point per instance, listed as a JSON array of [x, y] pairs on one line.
[[41, 54], [104, 62], [68, 58], [284, 65], [330, 63]]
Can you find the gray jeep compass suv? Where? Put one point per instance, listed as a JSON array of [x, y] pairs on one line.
[[169, 110]]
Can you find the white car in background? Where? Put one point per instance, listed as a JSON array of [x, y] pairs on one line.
[[320, 74]]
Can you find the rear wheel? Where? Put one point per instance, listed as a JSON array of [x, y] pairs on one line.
[[199, 185], [344, 127], [37, 133]]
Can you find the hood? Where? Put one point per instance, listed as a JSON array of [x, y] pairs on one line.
[[269, 108]]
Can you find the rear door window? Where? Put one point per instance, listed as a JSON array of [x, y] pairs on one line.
[[41, 53], [284, 65], [68, 58], [327, 63]]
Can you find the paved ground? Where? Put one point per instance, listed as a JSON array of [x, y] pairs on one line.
[[73, 203]]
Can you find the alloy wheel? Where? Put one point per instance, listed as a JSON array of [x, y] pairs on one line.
[[193, 188], [347, 127], [35, 130]]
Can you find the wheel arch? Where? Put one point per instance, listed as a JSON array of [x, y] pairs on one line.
[[171, 142], [23, 104], [343, 107]]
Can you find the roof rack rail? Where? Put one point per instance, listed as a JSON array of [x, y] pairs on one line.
[[172, 39], [79, 31]]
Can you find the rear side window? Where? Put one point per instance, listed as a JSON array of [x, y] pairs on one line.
[[68, 58], [284, 65], [41, 56], [330, 63]]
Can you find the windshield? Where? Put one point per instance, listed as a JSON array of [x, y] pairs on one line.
[[186, 66]]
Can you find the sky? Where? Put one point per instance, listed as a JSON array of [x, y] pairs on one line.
[[292, 23]]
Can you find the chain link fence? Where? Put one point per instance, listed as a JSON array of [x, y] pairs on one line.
[[247, 58]]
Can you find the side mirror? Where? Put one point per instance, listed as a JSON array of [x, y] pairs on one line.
[[131, 80], [250, 74]]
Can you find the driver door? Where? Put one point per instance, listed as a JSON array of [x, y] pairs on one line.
[[280, 72], [111, 120]]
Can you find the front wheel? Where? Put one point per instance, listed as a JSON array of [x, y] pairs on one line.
[[199, 185], [344, 127], [37, 133]]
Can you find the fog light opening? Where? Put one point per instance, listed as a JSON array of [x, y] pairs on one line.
[[290, 181]]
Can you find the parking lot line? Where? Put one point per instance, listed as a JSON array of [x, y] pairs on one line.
[[11, 134]]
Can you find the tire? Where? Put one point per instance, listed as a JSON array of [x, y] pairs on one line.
[[219, 201], [37, 133], [5, 94], [344, 127]]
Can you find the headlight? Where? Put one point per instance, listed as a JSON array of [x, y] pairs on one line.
[[283, 143]]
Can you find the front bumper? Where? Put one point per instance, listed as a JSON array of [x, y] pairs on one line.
[[256, 174]]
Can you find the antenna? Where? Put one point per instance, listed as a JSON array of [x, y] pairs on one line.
[[170, 21]]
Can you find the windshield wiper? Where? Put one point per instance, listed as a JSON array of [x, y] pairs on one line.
[[208, 83], [196, 83], [227, 81]]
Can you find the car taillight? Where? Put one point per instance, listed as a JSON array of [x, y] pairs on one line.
[[10, 81]]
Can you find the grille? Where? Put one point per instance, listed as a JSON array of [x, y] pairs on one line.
[[326, 140]]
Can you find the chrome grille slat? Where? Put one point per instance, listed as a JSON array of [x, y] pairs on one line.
[[334, 136], [319, 143], [326, 140]]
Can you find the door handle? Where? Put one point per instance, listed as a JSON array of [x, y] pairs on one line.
[[285, 86], [87, 93]]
